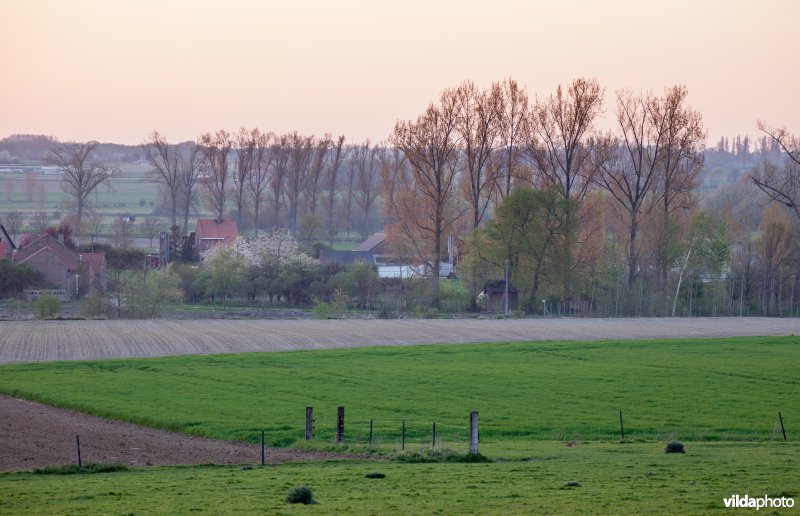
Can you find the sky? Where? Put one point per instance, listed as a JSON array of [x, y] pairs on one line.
[[114, 71]]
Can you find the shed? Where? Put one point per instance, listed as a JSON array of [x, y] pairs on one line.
[[495, 293]]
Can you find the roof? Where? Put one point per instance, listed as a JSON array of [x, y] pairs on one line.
[[217, 230], [371, 243], [95, 261], [346, 257], [499, 287], [68, 257]]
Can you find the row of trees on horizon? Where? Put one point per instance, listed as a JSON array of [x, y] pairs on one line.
[[528, 184]]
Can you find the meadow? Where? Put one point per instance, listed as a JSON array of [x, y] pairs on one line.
[[595, 478], [719, 396], [689, 389]]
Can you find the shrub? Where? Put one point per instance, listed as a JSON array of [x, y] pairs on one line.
[[94, 306], [675, 447], [302, 494], [47, 307]]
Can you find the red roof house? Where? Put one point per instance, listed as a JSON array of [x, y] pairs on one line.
[[211, 232]]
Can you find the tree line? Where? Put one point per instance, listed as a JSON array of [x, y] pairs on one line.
[[579, 216]]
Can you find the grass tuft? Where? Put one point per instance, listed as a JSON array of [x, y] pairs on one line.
[[443, 455], [74, 469]]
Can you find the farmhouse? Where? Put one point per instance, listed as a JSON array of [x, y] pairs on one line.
[[210, 232], [62, 267]]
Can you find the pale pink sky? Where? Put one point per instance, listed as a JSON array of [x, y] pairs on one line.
[[116, 70]]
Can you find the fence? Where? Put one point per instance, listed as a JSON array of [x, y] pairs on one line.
[[409, 435], [397, 433]]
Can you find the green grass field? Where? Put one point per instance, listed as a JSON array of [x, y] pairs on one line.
[[695, 390], [612, 478], [531, 397]]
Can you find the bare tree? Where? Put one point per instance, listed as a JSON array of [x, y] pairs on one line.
[[558, 144], [10, 186], [365, 159], [395, 178], [13, 222], [352, 175], [245, 145], [190, 166], [513, 110], [315, 172], [121, 233], [152, 226], [559, 147], [165, 160], [339, 152], [39, 221], [479, 129], [258, 179], [278, 179], [781, 181], [430, 144], [629, 163], [681, 162], [215, 149], [300, 149], [30, 185], [82, 173]]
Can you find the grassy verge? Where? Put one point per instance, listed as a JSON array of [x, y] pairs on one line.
[[692, 390], [594, 478]]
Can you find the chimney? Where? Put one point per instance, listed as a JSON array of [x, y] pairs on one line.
[[61, 238]]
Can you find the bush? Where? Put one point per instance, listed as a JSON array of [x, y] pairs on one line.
[[675, 447], [302, 494], [94, 306], [47, 307]]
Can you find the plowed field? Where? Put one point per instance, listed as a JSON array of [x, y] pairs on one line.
[[41, 341]]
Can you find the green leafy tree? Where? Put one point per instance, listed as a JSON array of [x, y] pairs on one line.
[[361, 283], [224, 273], [532, 228]]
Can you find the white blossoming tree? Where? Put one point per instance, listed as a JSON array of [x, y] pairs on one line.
[[272, 264]]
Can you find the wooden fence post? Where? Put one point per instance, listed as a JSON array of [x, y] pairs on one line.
[[473, 432], [340, 425], [78, 444], [403, 438], [309, 423]]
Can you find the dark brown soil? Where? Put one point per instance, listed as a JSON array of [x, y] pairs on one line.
[[33, 435]]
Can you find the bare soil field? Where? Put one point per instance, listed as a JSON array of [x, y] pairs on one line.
[[41, 341], [34, 436]]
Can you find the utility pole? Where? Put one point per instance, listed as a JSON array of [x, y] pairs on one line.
[[505, 292]]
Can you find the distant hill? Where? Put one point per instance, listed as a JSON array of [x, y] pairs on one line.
[[34, 149]]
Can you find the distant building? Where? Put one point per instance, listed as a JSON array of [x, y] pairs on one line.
[[62, 267], [495, 296], [375, 244], [210, 232]]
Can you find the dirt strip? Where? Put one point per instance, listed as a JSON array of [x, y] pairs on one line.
[[41, 341], [34, 436]]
